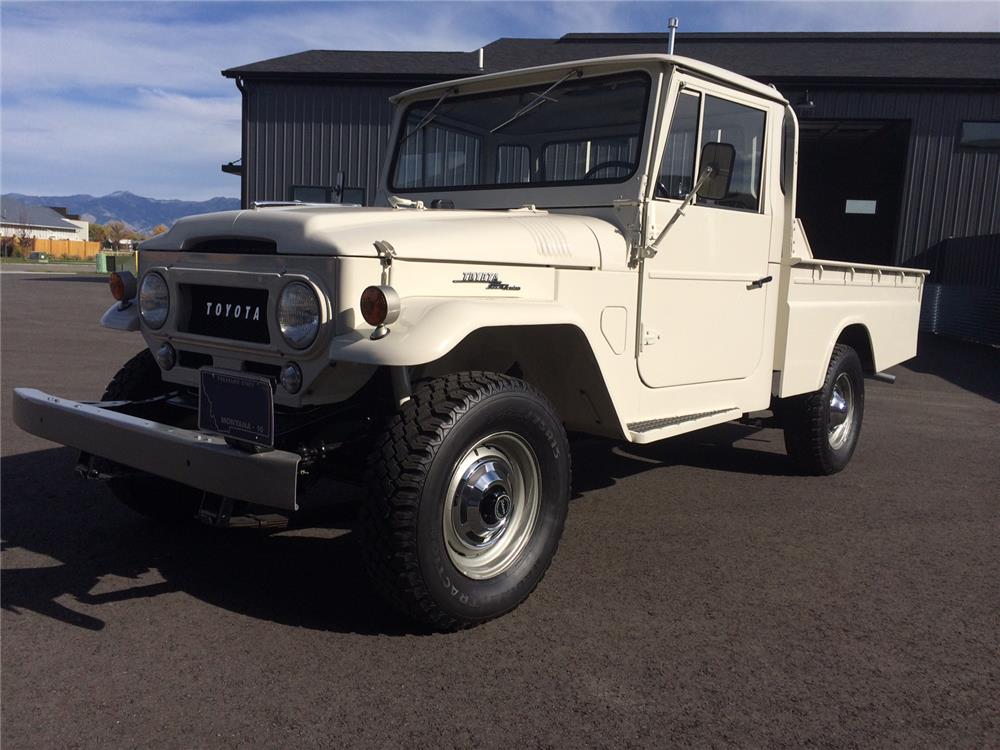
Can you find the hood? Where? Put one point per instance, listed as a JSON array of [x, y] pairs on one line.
[[519, 236]]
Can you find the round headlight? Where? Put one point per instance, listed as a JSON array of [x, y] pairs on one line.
[[298, 314], [154, 300]]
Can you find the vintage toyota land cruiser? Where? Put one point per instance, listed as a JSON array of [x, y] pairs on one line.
[[605, 246]]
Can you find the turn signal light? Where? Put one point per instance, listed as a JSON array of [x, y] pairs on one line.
[[123, 285], [379, 305]]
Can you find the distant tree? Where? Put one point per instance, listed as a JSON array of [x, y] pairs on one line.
[[158, 229], [98, 233], [22, 235], [116, 232]]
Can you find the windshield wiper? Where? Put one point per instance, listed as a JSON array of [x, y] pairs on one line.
[[536, 102], [431, 113]]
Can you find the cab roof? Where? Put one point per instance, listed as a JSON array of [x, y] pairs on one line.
[[685, 64]]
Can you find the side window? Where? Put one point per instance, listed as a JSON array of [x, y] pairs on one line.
[[513, 164], [677, 169], [743, 128]]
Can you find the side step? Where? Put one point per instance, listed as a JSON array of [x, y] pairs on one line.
[[651, 430]]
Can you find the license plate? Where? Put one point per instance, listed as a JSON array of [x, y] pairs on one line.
[[236, 405]]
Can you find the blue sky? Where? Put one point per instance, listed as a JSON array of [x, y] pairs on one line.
[[97, 97]]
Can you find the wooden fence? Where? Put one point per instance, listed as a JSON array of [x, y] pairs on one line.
[[65, 248]]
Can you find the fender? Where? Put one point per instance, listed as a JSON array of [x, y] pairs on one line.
[[550, 337], [122, 319], [430, 327]]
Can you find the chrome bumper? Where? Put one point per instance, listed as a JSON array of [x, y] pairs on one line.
[[193, 458]]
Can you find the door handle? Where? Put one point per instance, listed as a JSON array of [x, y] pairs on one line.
[[760, 282]]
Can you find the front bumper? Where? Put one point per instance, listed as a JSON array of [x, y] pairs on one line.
[[190, 457]]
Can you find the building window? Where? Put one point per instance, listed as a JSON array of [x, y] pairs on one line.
[[860, 206], [311, 194], [353, 196], [322, 194], [984, 135]]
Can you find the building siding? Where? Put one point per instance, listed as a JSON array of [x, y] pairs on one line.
[[298, 133], [948, 192], [304, 134]]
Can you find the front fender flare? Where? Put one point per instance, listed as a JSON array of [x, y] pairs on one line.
[[430, 327]]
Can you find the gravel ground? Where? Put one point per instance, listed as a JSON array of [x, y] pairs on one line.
[[703, 594]]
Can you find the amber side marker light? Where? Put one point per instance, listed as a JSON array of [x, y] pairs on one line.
[[379, 308], [123, 286], [379, 305]]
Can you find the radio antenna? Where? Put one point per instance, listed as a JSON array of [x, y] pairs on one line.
[[672, 24]]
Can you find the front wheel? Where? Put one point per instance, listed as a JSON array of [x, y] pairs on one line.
[[468, 490], [822, 428]]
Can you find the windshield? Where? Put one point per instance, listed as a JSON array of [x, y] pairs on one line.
[[583, 130]]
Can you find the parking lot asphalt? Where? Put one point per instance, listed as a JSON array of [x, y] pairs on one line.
[[704, 594]]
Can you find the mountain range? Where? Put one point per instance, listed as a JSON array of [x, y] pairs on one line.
[[137, 211]]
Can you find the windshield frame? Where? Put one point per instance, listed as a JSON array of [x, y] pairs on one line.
[[643, 134]]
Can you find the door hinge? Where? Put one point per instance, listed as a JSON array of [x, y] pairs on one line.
[[649, 336]]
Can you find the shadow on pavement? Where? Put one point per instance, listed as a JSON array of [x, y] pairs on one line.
[[314, 580], [599, 462], [972, 367], [305, 581]]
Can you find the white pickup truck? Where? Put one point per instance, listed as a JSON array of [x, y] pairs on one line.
[[605, 246]]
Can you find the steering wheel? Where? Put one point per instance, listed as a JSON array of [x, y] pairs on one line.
[[613, 164]]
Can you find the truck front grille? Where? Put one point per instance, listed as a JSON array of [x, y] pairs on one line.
[[225, 312]]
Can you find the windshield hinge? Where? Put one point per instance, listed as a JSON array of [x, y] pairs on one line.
[[396, 202], [386, 253], [630, 212]]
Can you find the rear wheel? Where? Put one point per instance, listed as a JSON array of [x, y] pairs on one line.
[[154, 497], [467, 495], [822, 428]]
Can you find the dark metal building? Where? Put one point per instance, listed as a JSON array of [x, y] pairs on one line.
[[899, 155]]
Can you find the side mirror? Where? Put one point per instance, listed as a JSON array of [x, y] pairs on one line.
[[719, 158]]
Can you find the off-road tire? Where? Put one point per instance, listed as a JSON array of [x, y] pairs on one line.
[[153, 497], [408, 474], [806, 418]]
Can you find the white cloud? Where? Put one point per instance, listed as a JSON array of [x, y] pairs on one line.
[[96, 97], [103, 97], [163, 144]]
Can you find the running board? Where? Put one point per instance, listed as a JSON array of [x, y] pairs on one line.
[[651, 430]]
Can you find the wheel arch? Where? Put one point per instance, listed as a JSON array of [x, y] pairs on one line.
[[804, 372], [859, 338], [556, 358], [544, 343]]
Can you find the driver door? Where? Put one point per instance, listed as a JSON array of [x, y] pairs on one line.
[[703, 295]]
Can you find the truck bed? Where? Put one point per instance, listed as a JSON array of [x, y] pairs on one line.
[[821, 299]]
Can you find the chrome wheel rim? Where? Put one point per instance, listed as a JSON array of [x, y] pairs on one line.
[[492, 505], [841, 411]]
